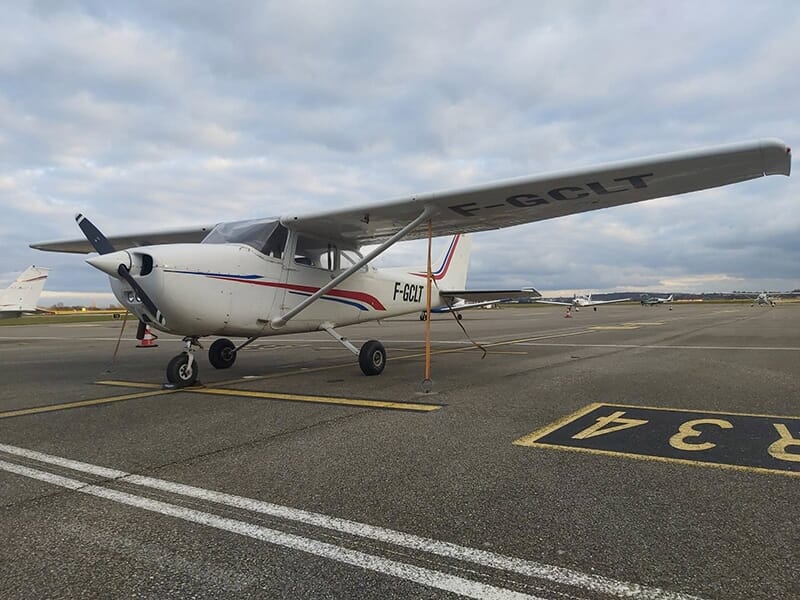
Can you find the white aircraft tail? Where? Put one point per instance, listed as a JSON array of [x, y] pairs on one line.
[[450, 269], [23, 294]]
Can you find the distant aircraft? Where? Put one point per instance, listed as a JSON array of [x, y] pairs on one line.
[[648, 300], [763, 299], [582, 301], [20, 297], [297, 273]]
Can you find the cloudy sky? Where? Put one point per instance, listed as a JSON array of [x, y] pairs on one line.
[[162, 114]]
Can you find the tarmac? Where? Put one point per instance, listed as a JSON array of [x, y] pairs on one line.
[[628, 452]]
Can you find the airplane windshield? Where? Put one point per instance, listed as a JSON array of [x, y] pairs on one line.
[[266, 236]]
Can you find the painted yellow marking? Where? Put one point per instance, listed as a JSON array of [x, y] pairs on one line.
[[318, 399], [613, 327], [611, 423], [645, 323], [778, 448], [687, 430], [131, 384], [694, 411], [528, 440], [217, 391], [81, 403], [663, 459]]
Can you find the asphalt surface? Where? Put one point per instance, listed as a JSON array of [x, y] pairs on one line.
[[325, 499]]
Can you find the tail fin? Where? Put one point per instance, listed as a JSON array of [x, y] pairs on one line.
[[450, 270], [23, 294]]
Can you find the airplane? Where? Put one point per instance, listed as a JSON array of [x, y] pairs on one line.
[[304, 272], [648, 300], [763, 299], [581, 301], [21, 296]]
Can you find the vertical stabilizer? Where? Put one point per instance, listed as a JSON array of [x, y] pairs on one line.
[[23, 294], [450, 270]]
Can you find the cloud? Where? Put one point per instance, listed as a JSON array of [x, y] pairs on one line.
[[155, 114]]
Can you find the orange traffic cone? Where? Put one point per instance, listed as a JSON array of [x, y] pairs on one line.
[[149, 339]]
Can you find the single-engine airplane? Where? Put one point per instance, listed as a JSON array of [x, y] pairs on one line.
[[21, 296], [581, 301], [300, 273], [763, 299], [648, 300]]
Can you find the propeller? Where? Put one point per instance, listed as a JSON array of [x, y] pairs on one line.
[[101, 244]]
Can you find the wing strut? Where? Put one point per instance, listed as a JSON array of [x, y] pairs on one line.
[[427, 384], [279, 322]]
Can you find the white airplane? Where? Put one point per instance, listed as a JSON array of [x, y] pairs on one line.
[[763, 299], [300, 273], [21, 296], [648, 300], [581, 301]]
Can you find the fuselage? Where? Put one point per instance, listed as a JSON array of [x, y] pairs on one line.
[[234, 290]]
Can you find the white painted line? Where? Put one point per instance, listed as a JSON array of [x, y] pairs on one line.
[[426, 577], [528, 568]]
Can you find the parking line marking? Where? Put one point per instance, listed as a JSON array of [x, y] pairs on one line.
[[560, 575], [80, 404], [387, 404], [541, 438]]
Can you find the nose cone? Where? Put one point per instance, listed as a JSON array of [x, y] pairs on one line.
[[109, 263]]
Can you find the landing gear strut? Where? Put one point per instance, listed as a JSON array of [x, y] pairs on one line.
[[371, 357], [182, 370]]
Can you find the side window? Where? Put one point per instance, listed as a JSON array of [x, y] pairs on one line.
[[316, 253]]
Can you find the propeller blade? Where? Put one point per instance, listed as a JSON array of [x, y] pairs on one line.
[[98, 241], [148, 303]]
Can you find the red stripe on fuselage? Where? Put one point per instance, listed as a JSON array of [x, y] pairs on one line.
[[360, 296]]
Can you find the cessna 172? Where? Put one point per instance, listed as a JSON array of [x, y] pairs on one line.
[[21, 296], [582, 301], [648, 300], [300, 273], [764, 299]]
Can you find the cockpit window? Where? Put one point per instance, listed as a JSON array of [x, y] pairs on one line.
[[266, 236]]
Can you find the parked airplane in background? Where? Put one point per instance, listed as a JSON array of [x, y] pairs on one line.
[[21, 296], [300, 273], [648, 300], [764, 299], [582, 301]]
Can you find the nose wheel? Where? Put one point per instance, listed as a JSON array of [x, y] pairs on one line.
[[182, 370]]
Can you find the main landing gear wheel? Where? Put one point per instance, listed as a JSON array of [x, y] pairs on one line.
[[181, 371], [459, 316], [423, 316], [372, 358], [221, 354]]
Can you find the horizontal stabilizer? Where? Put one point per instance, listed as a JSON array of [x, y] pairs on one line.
[[490, 295]]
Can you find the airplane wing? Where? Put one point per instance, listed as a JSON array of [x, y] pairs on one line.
[[529, 199], [515, 201], [556, 302], [488, 296], [169, 236], [593, 302]]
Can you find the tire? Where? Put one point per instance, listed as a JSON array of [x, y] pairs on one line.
[[459, 316], [423, 316], [372, 358], [179, 374], [221, 354]]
